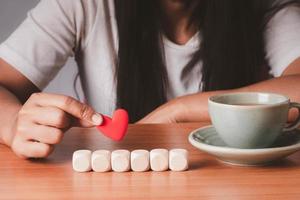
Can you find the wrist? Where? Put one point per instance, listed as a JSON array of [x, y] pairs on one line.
[[180, 110], [193, 108], [8, 132]]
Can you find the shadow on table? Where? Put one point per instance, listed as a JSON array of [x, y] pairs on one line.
[[283, 163], [63, 152], [206, 163]]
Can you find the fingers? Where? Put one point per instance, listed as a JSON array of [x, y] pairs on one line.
[[50, 116], [43, 119], [44, 134], [69, 105], [35, 141], [38, 150], [27, 149]]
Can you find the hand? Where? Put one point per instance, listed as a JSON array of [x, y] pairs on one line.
[[43, 119], [189, 108], [170, 112]]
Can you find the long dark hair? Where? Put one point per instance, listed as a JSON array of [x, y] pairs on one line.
[[232, 48]]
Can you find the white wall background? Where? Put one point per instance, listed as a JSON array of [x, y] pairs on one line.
[[12, 13]]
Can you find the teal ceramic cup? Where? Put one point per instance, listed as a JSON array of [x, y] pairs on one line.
[[251, 120]]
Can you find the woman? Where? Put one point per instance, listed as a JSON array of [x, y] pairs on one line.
[[139, 55]]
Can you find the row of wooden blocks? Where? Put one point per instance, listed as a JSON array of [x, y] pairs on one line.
[[124, 160]]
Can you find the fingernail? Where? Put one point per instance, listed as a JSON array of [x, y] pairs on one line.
[[97, 119]]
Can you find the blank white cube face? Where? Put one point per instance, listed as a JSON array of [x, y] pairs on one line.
[[140, 160], [101, 161], [178, 159], [81, 160], [120, 160], [159, 159]]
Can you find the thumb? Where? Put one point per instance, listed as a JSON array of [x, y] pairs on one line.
[[95, 120], [86, 115]]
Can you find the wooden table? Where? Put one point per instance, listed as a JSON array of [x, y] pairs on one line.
[[53, 178]]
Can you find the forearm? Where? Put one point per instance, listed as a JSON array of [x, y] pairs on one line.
[[9, 106], [195, 107]]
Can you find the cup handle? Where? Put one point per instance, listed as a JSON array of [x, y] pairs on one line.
[[296, 123]]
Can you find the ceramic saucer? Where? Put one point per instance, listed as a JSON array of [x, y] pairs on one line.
[[206, 139]]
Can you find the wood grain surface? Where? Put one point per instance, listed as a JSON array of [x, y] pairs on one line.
[[207, 178]]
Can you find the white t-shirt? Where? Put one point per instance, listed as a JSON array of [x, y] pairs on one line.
[[86, 29]]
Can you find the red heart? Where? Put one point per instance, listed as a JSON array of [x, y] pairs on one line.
[[116, 127]]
